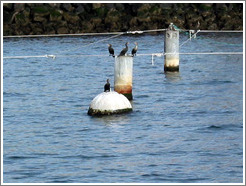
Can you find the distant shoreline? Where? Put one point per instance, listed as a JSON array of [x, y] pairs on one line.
[[72, 18]]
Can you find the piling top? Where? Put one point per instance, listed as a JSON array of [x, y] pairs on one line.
[[108, 103], [125, 56]]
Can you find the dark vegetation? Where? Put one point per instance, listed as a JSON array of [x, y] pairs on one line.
[[70, 18]]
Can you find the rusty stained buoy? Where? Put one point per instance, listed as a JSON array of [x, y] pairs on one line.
[[108, 103]]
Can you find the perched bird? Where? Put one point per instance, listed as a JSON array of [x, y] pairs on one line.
[[123, 52], [111, 50], [134, 50], [107, 86]]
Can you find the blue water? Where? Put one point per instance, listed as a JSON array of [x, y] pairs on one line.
[[185, 127]]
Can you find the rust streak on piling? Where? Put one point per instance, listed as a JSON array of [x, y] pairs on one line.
[[123, 75]]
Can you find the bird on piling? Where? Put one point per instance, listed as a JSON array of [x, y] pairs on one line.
[[123, 52], [134, 50], [111, 50], [107, 86]]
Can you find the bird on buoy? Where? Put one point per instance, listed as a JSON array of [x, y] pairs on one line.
[[134, 50], [107, 86], [123, 52], [111, 50]]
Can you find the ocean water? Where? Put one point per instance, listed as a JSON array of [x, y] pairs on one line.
[[186, 127]]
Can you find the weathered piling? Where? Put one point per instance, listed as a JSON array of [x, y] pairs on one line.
[[123, 75], [171, 49]]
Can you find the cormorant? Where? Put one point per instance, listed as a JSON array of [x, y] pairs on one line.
[[107, 86], [111, 50], [134, 50], [123, 52]]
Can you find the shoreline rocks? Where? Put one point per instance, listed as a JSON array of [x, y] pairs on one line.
[[71, 18]]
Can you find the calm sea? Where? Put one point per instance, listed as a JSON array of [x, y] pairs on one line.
[[185, 127]]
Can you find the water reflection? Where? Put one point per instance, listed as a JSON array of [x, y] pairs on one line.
[[113, 119], [172, 76]]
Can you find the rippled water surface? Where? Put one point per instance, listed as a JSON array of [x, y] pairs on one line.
[[185, 127]]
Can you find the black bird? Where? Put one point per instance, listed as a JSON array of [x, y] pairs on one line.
[[111, 50], [134, 50], [107, 86], [123, 52]]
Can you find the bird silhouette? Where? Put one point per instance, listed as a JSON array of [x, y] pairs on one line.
[[107, 86], [134, 50], [123, 52], [111, 50]]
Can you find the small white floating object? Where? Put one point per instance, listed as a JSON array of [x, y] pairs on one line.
[[108, 103]]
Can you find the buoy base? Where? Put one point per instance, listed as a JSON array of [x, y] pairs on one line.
[[171, 68], [126, 90], [95, 112]]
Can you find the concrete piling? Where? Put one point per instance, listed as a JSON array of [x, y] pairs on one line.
[[123, 69], [171, 49]]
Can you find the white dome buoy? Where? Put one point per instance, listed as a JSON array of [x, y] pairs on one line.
[[108, 103]]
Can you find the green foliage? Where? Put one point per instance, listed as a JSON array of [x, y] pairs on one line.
[[54, 12], [40, 9], [101, 12], [205, 6]]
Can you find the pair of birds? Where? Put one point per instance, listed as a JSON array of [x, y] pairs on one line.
[[123, 52]]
